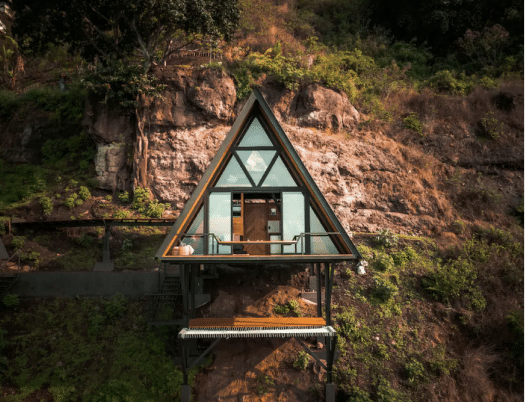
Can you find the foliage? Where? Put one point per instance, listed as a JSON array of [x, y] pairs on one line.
[[123, 197], [413, 123], [515, 324], [386, 238], [454, 281], [492, 126], [77, 149], [18, 242], [20, 183], [84, 193], [113, 29], [121, 84], [10, 300], [458, 227], [291, 306], [70, 201], [384, 262], [264, 382], [143, 204], [485, 47], [32, 257], [449, 81], [85, 240], [384, 289], [10, 60], [47, 205], [414, 370], [302, 360], [115, 307], [121, 360]]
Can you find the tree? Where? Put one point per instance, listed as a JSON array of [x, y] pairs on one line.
[[115, 29]]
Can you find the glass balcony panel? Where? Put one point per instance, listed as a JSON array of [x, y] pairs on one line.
[[293, 219], [320, 244], [220, 216]]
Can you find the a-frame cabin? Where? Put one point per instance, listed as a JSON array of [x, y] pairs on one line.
[[256, 204]]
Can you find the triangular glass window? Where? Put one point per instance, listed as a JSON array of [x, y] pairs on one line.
[[279, 176], [197, 242], [256, 162], [256, 136], [320, 244], [233, 176]]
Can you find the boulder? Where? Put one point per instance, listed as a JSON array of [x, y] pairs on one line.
[[323, 108]]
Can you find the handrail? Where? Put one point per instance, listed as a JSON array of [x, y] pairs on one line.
[[297, 238]]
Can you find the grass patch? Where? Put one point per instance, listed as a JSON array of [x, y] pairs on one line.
[[76, 356]]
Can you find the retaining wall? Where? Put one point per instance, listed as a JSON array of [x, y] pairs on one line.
[[71, 284]]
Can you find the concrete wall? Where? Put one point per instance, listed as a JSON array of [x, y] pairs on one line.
[[71, 284]]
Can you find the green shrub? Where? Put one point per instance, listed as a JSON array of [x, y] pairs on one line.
[[116, 306], [120, 214], [32, 257], [384, 263], [302, 360], [447, 81], [403, 257], [20, 183], [18, 242], [515, 323], [47, 205], [413, 123], [123, 197], [281, 309], [85, 240], [11, 300], [414, 370], [79, 202], [456, 280], [492, 127], [384, 290], [155, 209], [386, 238], [458, 227], [71, 200], [140, 199], [108, 198], [84, 193]]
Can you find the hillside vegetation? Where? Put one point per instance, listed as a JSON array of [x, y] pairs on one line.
[[439, 85]]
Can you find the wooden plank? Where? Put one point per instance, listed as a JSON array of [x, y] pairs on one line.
[[257, 322]]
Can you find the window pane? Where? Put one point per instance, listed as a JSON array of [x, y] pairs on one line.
[[256, 136], [293, 219], [256, 162], [197, 242], [275, 248], [279, 176], [320, 244], [220, 215], [233, 176]]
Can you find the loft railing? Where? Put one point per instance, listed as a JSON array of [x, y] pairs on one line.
[[216, 242]]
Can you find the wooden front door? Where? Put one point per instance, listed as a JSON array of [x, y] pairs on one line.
[[255, 226]]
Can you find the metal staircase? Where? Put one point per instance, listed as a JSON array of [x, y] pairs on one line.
[[165, 308]]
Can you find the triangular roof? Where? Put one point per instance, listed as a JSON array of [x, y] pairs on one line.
[[256, 105]]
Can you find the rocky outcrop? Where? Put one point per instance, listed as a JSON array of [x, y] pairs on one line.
[[321, 107]]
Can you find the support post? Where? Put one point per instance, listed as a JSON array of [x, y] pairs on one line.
[[330, 354], [193, 286], [185, 302], [105, 252], [327, 289], [319, 307]]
